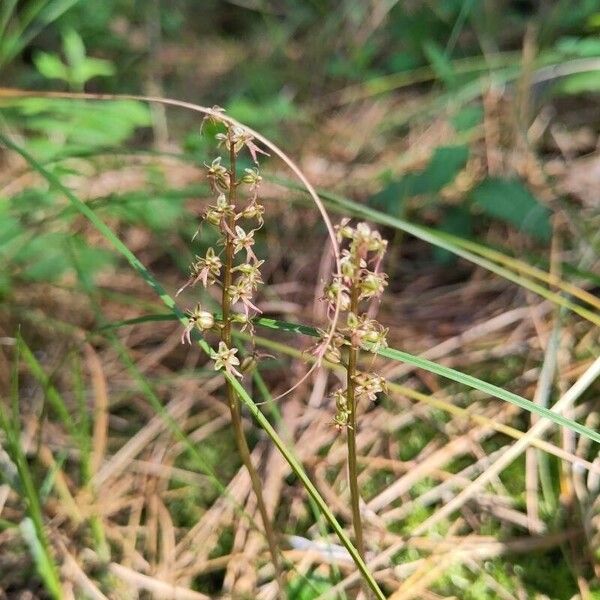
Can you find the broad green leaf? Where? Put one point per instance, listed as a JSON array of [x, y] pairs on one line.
[[510, 201], [80, 126], [50, 66], [443, 167], [90, 259], [74, 49], [457, 221], [95, 67], [10, 228], [308, 587], [44, 257], [580, 47]]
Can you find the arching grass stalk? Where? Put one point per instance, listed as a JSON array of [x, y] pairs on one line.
[[359, 279], [238, 283]]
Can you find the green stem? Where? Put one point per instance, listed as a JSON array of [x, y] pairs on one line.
[[351, 437], [232, 398]]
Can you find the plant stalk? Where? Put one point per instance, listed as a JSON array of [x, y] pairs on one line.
[[232, 398], [351, 434]]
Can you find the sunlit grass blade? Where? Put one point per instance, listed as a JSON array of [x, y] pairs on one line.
[[520, 266], [34, 17], [170, 303], [32, 528], [38, 549], [51, 393], [432, 367], [454, 375]]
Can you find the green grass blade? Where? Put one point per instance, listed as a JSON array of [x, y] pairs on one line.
[[34, 532], [454, 375], [170, 303], [490, 389], [433, 367], [43, 561], [53, 396]]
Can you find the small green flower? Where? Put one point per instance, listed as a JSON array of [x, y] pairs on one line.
[[350, 266], [244, 320], [243, 241], [205, 269], [241, 291], [251, 273], [372, 285], [252, 177], [368, 385], [336, 292], [225, 358], [342, 415], [218, 176], [253, 211], [217, 213], [366, 240], [199, 319]]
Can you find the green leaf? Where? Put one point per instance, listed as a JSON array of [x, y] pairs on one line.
[[50, 66], [391, 199], [308, 587], [467, 118], [10, 228], [95, 67], [510, 201], [577, 83], [90, 259], [457, 221], [439, 62], [81, 125], [158, 214], [580, 47], [44, 257], [73, 48], [443, 167]]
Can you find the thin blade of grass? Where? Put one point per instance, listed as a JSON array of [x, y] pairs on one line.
[[454, 375], [32, 527], [433, 367]]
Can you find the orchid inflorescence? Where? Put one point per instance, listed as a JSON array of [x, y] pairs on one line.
[[235, 268], [359, 280]]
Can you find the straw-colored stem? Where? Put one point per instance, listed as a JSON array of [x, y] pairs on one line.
[[351, 437], [232, 398]]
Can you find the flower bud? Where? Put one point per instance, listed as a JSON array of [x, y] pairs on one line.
[[251, 177], [205, 320], [372, 285]]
